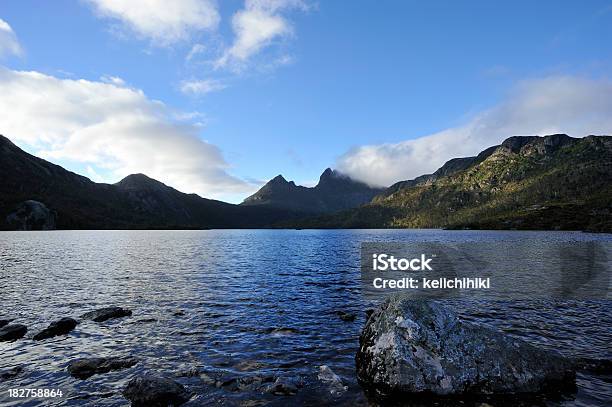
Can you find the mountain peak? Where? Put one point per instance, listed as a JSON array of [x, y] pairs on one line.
[[279, 179], [327, 173], [335, 191], [550, 142], [140, 181]]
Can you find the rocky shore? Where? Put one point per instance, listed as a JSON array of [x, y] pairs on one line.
[[158, 389], [408, 350]]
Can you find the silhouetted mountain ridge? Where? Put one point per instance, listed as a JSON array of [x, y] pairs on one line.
[[136, 202], [334, 191]]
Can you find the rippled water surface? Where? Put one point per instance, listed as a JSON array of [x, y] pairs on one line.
[[239, 304]]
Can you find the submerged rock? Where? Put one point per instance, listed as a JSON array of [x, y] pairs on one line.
[[333, 381], [281, 331], [31, 215], [283, 386], [4, 322], [12, 331], [422, 347], [151, 390], [103, 314], [345, 316], [61, 327], [244, 383], [192, 371], [87, 367], [11, 373]]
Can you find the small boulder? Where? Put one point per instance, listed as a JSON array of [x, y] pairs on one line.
[[10, 373], [333, 381], [103, 314], [346, 316], [12, 331], [151, 390], [87, 367], [283, 386], [412, 347], [61, 327]]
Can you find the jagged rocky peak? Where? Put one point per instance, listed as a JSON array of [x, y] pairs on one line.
[[335, 191], [541, 145], [329, 176], [280, 180], [335, 179], [140, 181]]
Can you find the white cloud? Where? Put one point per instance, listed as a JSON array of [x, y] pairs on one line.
[[196, 49], [164, 22], [113, 129], [8, 40], [201, 87], [257, 26], [113, 80], [560, 104]]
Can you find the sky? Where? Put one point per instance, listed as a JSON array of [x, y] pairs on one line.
[[217, 97]]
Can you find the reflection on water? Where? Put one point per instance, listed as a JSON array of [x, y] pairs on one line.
[[237, 304]]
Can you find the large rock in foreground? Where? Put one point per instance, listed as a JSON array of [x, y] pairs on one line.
[[421, 347], [151, 390]]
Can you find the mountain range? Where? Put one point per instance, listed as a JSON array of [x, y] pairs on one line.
[[550, 182], [136, 202]]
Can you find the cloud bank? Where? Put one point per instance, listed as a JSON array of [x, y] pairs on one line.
[[163, 22], [114, 130], [559, 104], [8, 40]]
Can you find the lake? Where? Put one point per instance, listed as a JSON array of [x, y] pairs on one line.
[[242, 303]]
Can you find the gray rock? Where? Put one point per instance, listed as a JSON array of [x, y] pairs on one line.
[[422, 347], [246, 383], [192, 371], [31, 215], [103, 314], [12, 331], [150, 390], [87, 367], [332, 380], [61, 327], [283, 386]]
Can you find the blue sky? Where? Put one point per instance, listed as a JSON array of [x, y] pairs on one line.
[[383, 90]]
